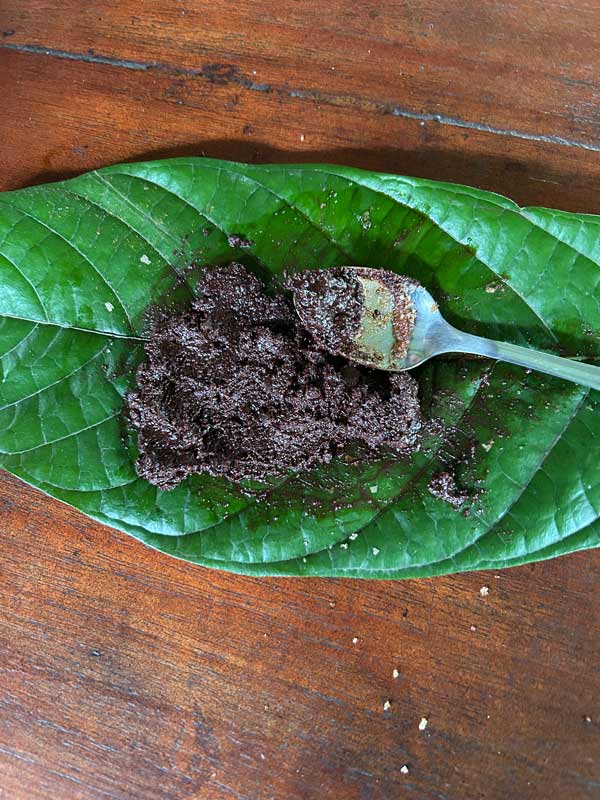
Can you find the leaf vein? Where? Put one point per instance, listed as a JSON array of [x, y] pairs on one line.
[[87, 260]]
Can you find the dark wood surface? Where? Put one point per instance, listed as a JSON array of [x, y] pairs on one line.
[[125, 674]]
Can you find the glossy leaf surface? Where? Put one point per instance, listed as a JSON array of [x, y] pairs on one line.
[[81, 261]]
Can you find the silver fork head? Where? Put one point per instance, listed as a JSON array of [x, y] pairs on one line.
[[376, 342]]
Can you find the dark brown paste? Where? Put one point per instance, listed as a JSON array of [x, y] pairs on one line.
[[235, 387], [331, 304], [443, 486]]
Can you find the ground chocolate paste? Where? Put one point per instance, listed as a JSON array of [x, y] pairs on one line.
[[443, 486], [331, 304], [235, 387], [330, 301]]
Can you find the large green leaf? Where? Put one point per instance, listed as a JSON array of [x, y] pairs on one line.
[[81, 261]]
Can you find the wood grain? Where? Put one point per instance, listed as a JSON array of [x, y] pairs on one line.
[[499, 67], [125, 674], [131, 115]]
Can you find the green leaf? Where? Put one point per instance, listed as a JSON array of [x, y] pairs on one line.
[[81, 261]]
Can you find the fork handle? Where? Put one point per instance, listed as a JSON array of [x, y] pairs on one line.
[[566, 368]]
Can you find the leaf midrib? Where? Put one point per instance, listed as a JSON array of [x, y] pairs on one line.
[[64, 326]]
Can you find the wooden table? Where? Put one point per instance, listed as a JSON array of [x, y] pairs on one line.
[[127, 675]]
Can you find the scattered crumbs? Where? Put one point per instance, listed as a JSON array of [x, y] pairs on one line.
[[302, 137], [373, 489], [353, 536], [443, 486], [484, 591], [144, 259], [386, 705], [344, 546], [488, 445], [423, 722], [109, 306], [473, 628], [376, 551], [395, 673], [404, 769], [365, 220], [355, 640], [235, 240]]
